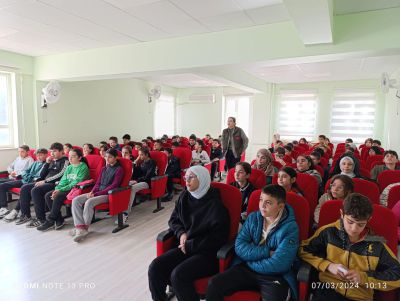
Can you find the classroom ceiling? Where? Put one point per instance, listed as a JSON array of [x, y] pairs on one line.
[[42, 27]]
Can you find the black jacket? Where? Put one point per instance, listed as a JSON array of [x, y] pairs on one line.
[[53, 172], [205, 221], [145, 171], [173, 168], [216, 153]]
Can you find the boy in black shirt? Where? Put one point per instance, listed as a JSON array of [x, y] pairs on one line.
[[215, 156], [173, 171]]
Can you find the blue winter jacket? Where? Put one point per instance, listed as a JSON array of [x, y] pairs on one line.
[[283, 240]]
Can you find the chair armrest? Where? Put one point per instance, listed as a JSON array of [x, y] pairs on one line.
[[166, 240], [304, 273], [165, 235], [119, 189], [85, 184], [158, 186], [225, 255], [118, 199], [3, 174]]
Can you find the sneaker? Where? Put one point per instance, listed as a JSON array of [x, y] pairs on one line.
[[124, 218], [22, 220], [166, 198], [72, 232], [59, 224], [46, 226], [3, 212], [12, 215], [80, 235], [34, 223]]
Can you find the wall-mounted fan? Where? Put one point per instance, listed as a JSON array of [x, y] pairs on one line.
[[387, 83], [154, 93], [51, 93]]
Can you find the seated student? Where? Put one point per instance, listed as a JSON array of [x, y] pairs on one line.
[[201, 224], [266, 249], [87, 149], [367, 143], [28, 176], [390, 159], [145, 143], [83, 205], [67, 148], [340, 187], [113, 142], [144, 169], [279, 155], [374, 150], [103, 143], [287, 179], [264, 163], [158, 145], [306, 165], [174, 139], [173, 171], [15, 170], [127, 152], [347, 165], [348, 140], [288, 152], [77, 171], [192, 141], [303, 141], [126, 139], [376, 142], [215, 155], [277, 144], [349, 257], [242, 175], [103, 149], [199, 155], [52, 172], [316, 158]]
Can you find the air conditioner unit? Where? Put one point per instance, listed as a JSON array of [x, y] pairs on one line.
[[202, 98]]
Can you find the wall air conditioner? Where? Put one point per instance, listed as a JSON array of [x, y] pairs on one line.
[[201, 98]]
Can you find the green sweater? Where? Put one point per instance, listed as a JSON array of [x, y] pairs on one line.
[[72, 176]]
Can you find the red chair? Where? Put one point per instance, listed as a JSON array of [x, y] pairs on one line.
[[388, 177], [184, 155], [208, 166], [324, 162], [367, 188], [118, 199], [232, 200], [243, 157], [302, 214], [320, 170], [32, 153], [158, 183], [393, 197], [257, 178], [135, 153], [372, 159], [330, 212], [364, 152], [96, 151], [365, 173], [207, 148], [77, 147]]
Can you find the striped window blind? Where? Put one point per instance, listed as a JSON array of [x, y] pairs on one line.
[[353, 115], [297, 114]]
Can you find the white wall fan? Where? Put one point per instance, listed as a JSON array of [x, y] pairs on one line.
[[154, 94], [51, 93], [388, 83]]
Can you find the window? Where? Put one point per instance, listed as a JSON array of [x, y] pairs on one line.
[[237, 106], [164, 116], [297, 114], [353, 115], [7, 109]]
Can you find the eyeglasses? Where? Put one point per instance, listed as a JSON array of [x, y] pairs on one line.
[[189, 178]]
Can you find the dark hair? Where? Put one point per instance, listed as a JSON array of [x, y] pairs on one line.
[[128, 147], [193, 136], [42, 151], [295, 142], [104, 147], [113, 152], [356, 170], [368, 139], [103, 143], [305, 140], [57, 146], [288, 148], [377, 142], [275, 191], [309, 160], [280, 151], [278, 141], [176, 144], [126, 136], [292, 174], [69, 145], [233, 118], [91, 147], [290, 144], [149, 138], [376, 149], [79, 153], [316, 154], [348, 140], [113, 138], [320, 150], [24, 147], [357, 206], [145, 151], [347, 181], [219, 142], [322, 136], [145, 141], [168, 150], [158, 141], [246, 167], [201, 143], [391, 152]]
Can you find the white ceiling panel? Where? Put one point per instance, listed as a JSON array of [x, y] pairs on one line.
[[250, 4], [7, 31], [129, 3], [6, 3], [185, 80], [353, 6], [269, 14], [227, 21], [207, 8]]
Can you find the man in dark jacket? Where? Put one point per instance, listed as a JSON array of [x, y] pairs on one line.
[[173, 171], [234, 143]]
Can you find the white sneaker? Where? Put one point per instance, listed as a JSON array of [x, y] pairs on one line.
[[80, 234], [3, 212], [12, 215], [72, 232]]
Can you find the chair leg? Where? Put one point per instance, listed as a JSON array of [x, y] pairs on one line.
[[159, 207], [120, 225]]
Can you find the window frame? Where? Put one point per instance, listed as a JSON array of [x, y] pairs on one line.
[[11, 110], [166, 99]]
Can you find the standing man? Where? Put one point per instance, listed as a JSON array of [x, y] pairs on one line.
[[234, 143]]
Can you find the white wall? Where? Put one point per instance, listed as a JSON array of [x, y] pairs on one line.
[[392, 118], [92, 111]]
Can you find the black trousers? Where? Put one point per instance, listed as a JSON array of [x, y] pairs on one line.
[[55, 205], [4, 187], [38, 194], [170, 183], [240, 277], [25, 199], [179, 270], [214, 168], [328, 294], [231, 160]]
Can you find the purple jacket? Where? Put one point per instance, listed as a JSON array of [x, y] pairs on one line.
[[117, 179]]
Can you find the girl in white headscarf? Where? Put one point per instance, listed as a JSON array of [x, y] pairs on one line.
[[347, 165], [200, 223]]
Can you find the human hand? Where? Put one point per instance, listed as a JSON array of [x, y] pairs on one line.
[[338, 269], [90, 194], [54, 194], [49, 159], [182, 241], [39, 183], [353, 276]]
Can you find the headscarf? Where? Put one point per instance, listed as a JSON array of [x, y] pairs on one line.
[[350, 174], [204, 180], [267, 167]]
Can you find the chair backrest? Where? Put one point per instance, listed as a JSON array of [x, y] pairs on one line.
[[320, 170], [297, 202], [207, 148], [365, 173], [184, 155], [95, 164], [77, 147], [373, 158], [161, 161], [243, 157], [365, 187], [257, 178], [96, 151], [324, 162], [388, 177], [126, 165], [135, 153], [393, 197], [330, 212], [32, 154], [232, 200]]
